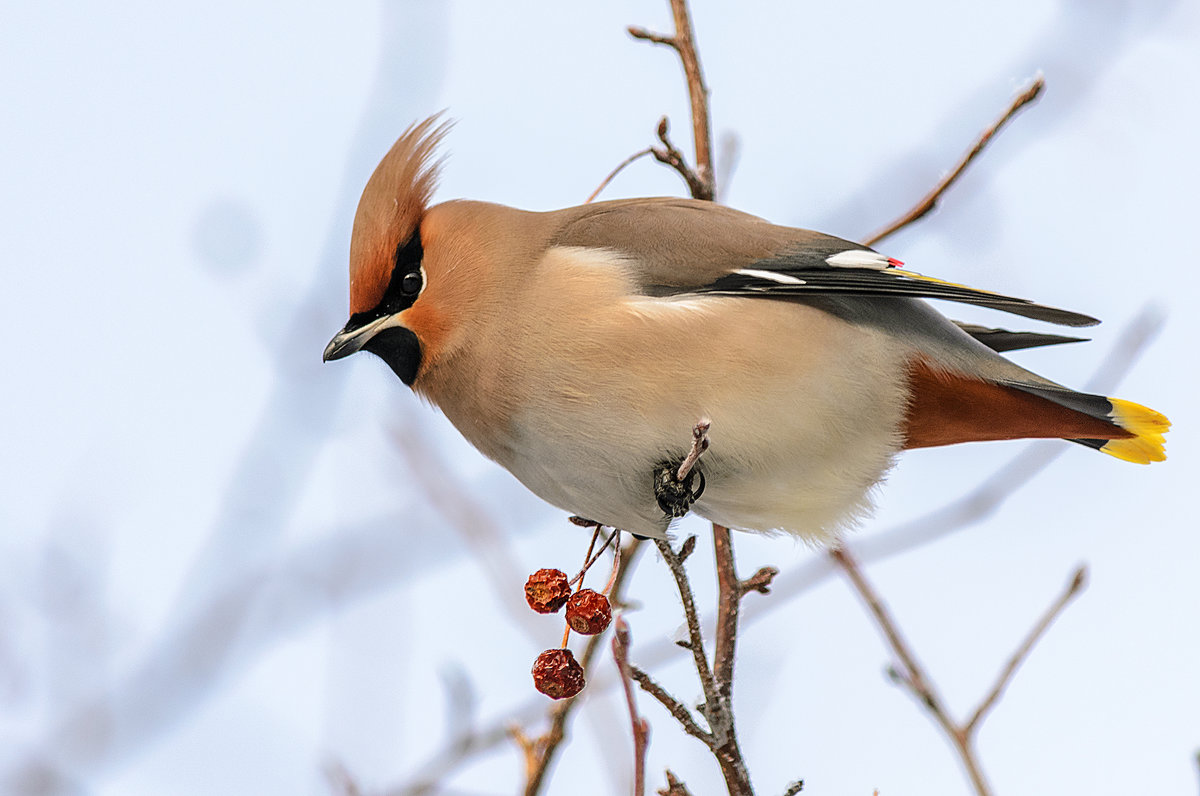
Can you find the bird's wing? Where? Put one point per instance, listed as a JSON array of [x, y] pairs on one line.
[[1000, 340], [681, 246]]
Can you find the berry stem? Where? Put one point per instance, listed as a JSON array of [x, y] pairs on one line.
[[616, 567]]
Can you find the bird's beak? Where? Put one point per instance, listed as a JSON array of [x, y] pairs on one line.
[[352, 338]]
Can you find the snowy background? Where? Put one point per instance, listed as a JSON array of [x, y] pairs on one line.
[[226, 567]]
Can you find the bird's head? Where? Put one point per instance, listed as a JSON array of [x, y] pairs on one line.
[[388, 273]]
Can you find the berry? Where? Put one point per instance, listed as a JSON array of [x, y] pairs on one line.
[[547, 590], [557, 674], [588, 612]]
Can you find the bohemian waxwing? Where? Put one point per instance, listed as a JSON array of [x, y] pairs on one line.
[[579, 348]]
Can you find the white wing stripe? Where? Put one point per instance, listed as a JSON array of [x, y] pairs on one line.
[[774, 276], [857, 258]]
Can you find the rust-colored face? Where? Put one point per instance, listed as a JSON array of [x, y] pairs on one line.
[[386, 253]]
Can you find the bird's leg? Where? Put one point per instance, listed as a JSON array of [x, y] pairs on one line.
[[677, 485]]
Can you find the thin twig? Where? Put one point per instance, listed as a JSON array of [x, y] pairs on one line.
[[687, 548], [931, 199], [685, 45], [641, 730], [593, 558], [612, 174], [670, 155], [701, 180], [796, 787], [675, 786], [657, 38], [722, 738], [729, 603], [913, 675], [676, 708], [616, 567], [760, 581], [675, 564], [1077, 584]]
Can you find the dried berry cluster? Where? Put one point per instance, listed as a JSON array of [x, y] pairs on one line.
[[556, 673]]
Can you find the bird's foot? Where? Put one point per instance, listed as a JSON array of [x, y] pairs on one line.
[[679, 483]]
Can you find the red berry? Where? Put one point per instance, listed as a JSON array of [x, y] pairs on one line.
[[588, 612], [557, 674], [547, 590]]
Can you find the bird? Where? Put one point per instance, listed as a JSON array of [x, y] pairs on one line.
[[587, 349]]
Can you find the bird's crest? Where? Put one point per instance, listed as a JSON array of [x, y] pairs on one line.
[[391, 207]]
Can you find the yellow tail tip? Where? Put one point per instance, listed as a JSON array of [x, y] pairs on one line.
[[1148, 428]]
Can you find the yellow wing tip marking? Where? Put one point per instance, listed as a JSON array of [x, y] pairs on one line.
[[1149, 428], [927, 278]]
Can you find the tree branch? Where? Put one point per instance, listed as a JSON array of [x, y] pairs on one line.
[[1077, 584], [729, 601], [676, 708], [913, 674], [641, 730], [695, 638], [931, 199], [701, 181]]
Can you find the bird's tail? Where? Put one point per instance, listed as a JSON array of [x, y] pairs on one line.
[[1142, 439], [1147, 428]]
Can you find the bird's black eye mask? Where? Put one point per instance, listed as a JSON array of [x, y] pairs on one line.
[[403, 288]]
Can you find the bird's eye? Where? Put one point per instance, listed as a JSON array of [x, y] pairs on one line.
[[410, 285]]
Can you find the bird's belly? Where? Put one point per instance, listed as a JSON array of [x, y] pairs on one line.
[[798, 436]]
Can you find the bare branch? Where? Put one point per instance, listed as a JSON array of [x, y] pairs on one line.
[[673, 705], [701, 181], [592, 559], [675, 564], [641, 730], [612, 174], [912, 675], [657, 38], [688, 547], [1077, 584], [669, 154], [931, 199], [729, 601], [720, 716], [760, 581], [796, 787]]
